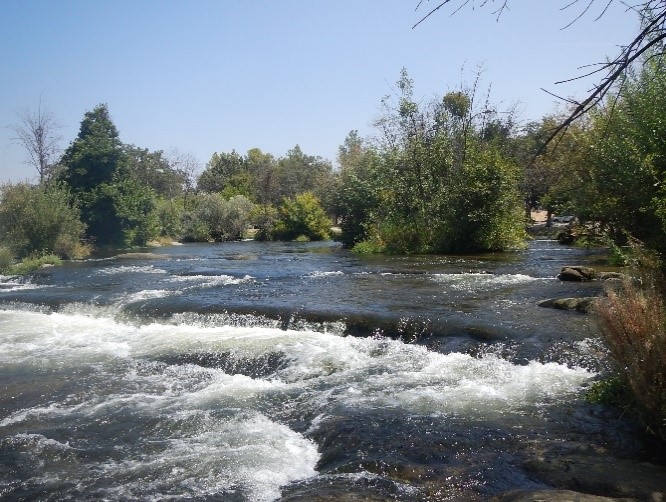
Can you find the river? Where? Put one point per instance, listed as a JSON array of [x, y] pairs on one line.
[[297, 371]]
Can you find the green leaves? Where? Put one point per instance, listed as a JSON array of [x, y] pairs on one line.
[[439, 181], [39, 220], [303, 217]]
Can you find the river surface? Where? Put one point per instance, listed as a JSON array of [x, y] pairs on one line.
[[259, 372]]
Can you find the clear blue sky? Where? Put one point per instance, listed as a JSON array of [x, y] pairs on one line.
[[216, 75]]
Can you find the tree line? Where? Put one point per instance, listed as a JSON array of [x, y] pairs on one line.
[[454, 174]]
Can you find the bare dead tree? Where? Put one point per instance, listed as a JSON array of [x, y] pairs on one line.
[[187, 165], [36, 131], [651, 35]]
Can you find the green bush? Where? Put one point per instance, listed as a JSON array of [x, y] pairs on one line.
[[31, 264], [40, 220], [170, 217], [6, 260], [613, 391], [264, 218], [303, 216], [215, 219]]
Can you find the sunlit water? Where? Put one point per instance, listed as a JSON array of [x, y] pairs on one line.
[[265, 371]]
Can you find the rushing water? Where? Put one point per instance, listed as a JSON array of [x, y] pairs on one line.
[[258, 372]]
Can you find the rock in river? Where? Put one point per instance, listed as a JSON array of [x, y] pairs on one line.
[[583, 304], [577, 273]]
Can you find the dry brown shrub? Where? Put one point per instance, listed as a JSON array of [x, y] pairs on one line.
[[632, 319]]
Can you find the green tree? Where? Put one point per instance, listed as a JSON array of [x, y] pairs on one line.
[[555, 177], [106, 183], [444, 185], [220, 172], [357, 193], [237, 217], [134, 210], [303, 217], [94, 156], [627, 158], [40, 220], [89, 163], [153, 170], [218, 219], [298, 173]]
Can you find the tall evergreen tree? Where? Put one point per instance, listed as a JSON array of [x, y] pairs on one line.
[[115, 206]]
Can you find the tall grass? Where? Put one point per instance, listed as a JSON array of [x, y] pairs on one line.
[[632, 319]]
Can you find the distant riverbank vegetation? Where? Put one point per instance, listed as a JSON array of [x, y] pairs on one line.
[[454, 174]]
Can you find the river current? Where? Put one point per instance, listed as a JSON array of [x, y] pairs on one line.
[[259, 372]]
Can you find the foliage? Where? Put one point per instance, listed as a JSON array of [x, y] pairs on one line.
[[298, 173], [237, 215], [93, 157], [135, 210], [266, 180], [170, 213], [88, 165], [115, 185], [220, 171], [302, 216], [39, 219], [633, 324], [33, 263], [154, 170], [357, 192], [6, 259], [612, 391], [628, 162], [218, 219], [441, 182], [265, 218]]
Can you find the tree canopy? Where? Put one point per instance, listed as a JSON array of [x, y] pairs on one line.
[[648, 40]]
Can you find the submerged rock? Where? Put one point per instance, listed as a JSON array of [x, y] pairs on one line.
[[583, 304], [582, 471], [555, 496]]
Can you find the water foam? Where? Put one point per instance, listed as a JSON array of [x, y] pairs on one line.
[[9, 283], [131, 269], [321, 274], [208, 281], [181, 429], [482, 281]]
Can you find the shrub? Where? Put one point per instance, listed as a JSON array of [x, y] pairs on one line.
[[264, 217], [633, 323], [303, 216], [214, 218], [170, 217], [39, 219], [30, 264], [369, 246], [6, 260], [134, 213]]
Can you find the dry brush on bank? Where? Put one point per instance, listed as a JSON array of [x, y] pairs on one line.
[[632, 319]]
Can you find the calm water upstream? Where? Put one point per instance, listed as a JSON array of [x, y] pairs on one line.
[[260, 372]]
